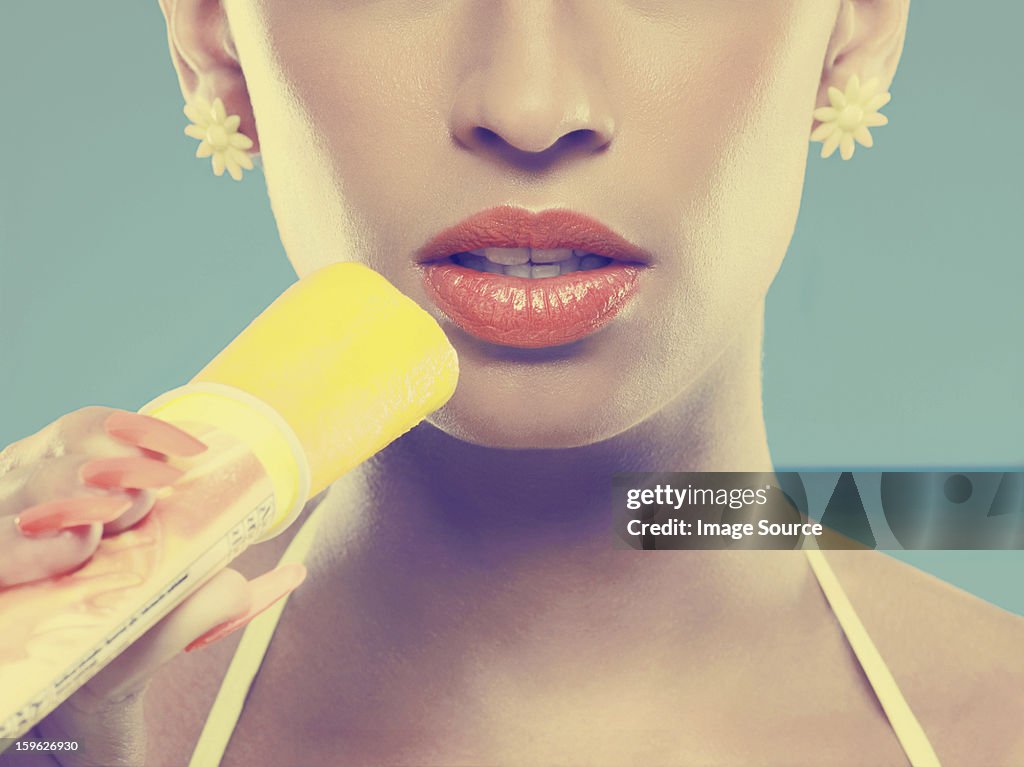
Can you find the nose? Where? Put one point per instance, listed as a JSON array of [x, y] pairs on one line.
[[531, 84]]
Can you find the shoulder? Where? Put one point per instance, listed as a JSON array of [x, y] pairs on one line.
[[958, 659]]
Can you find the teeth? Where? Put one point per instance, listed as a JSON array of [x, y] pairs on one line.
[[550, 256], [527, 262], [571, 264], [507, 256], [544, 270]]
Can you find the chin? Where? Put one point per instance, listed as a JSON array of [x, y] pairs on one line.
[[541, 423], [500, 434]]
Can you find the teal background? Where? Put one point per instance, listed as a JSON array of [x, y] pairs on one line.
[[893, 334]]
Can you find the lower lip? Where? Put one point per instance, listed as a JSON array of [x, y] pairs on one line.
[[531, 313]]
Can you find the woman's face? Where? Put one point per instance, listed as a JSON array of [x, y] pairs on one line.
[[680, 125]]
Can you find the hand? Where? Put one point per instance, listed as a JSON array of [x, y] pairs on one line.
[[91, 473]]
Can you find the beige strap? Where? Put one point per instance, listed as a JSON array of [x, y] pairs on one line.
[[227, 706], [909, 731]]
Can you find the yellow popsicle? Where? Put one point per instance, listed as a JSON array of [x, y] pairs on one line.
[[331, 372], [346, 360]]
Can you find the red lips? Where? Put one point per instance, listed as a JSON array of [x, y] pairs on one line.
[[531, 313]]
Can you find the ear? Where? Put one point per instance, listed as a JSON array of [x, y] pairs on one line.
[[205, 58], [867, 41]]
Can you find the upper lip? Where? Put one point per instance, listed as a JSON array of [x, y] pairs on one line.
[[511, 227]]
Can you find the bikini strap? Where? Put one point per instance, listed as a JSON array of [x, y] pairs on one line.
[[227, 706], [909, 731]]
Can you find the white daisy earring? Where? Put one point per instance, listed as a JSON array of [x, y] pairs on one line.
[[850, 114], [218, 136]]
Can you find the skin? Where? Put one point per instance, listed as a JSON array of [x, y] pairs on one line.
[[645, 163], [463, 605]]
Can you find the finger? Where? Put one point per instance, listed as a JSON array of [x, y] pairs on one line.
[[106, 715], [49, 496], [78, 432], [129, 472], [142, 503], [265, 590], [63, 513], [26, 559], [224, 597], [227, 602], [152, 433], [47, 480]]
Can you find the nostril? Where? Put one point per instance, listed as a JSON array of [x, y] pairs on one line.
[[582, 138], [485, 137]]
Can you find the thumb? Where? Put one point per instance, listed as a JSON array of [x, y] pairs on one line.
[[105, 717]]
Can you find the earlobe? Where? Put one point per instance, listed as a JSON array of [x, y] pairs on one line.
[[204, 56]]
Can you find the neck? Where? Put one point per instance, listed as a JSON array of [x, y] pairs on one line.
[[461, 494], [433, 516]]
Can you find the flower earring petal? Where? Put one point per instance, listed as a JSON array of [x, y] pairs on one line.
[[849, 115], [218, 136]]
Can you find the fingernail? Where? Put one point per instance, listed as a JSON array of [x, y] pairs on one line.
[[70, 512], [266, 590], [152, 434], [129, 471]]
